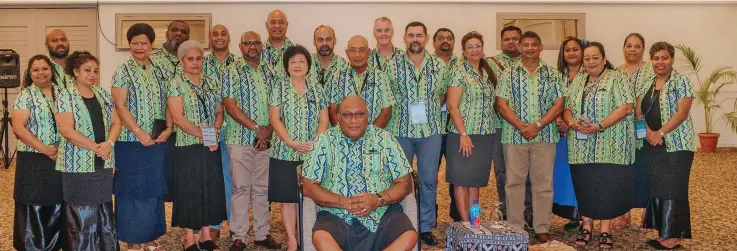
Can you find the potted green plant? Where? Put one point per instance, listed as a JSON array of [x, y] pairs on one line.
[[707, 93]]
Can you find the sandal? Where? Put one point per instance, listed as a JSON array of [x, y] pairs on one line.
[[152, 248], [583, 237], [209, 246], [607, 241], [193, 247]]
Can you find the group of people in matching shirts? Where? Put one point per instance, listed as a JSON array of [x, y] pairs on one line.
[[217, 133]]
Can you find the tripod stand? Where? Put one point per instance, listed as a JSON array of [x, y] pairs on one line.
[[5, 133]]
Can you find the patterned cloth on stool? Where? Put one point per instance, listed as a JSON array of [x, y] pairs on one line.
[[491, 235]]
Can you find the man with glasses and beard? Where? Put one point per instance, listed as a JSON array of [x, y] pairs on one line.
[[57, 44], [324, 62], [444, 41], [215, 65], [166, 57], [277, 42], [385, 50], [368, 82], [245, 97], [420, 83]]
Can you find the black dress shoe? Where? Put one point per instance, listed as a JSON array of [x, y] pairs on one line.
[[268, 243], [572, 225], [659, 246], [528, 222], [429, 239], [238, 245]]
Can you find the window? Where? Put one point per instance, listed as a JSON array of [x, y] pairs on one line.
[[553, 28], [199, 25]]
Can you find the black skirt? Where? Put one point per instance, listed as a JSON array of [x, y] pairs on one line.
[[169, 168], [38, 227], [668, 174], [283, 181], [88, 188], [470, 171], [603, 191], [200, 196], [90, 227], [36, 180]]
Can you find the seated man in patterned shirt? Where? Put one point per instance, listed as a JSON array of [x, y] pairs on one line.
[[357, 173]]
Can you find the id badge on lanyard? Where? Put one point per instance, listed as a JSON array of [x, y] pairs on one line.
[[418, 112], [579, 135], [640, 130], [209, 136]]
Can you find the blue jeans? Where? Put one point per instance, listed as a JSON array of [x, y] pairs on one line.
[[428, 154], [227, 179]]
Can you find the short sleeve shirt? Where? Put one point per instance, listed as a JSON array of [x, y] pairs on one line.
[[477, 101], [169, 63], [347, 167], [299, 113], [379, 61], [199, 104], [506, 62], [411, 85], [372, 85], [677, 87], [41, 120], [146, 95], [320, 75], [250, 91], [72, 158], [530, 97], [272, 57], [596, 100]]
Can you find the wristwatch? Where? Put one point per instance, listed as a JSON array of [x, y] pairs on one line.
[[112, 144], [255, 128], [382, 201], [661, 133], [601, 127], [538, 124]]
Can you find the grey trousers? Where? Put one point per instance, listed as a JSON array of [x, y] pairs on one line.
[[250, 171]]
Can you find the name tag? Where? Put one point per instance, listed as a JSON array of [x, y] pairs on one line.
[[209, 137], [581, 136], [418, 113], [640, 129], [444, 108]]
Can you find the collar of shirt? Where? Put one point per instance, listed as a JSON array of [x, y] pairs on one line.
[[540, 63], [212, 59], [287, 43]]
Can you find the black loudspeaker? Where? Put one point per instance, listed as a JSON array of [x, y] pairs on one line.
[[9, 69]]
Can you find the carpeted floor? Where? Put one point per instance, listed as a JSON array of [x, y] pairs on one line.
[[713, 194]]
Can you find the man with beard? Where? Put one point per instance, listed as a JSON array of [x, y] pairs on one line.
[[245, 97], [510, 36], [420, 83], [324, 62], [277, 42], [385, 50], [368, 82], [530, 97], [176, 33], [444, 41], [215, 65], [57, 44]]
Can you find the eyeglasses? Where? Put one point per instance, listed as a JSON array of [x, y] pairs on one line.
[[474, 47], [249, 43], [357, 50], [351, 115]]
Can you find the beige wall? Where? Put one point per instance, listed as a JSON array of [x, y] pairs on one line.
[[694, 25]]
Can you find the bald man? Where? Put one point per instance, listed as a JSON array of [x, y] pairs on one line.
[[277, 42], [384, 50], [370, 83], [245, 97], [215, 65], [358, 211], [57, 45], [325, 62], [166, 56]]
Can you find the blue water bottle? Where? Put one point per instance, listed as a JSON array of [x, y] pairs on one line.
[[475, 214]]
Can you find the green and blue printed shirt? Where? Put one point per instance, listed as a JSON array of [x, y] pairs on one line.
[[168, 62], [320, 75], [677, 87], [300, 114], [506, 63], [272, 57], [372, 85], [199, 104], [146, 95], [596, 100], [347, 167], [477, 101], [41, 120], [412, 85], [250, 89], [379, 61], [530, 97], [73, 158]]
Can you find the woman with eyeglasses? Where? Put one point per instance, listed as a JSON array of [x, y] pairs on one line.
[[669, 150], [38, 196], [139, 92], [470, 105], [298, 112], [600, 144], [89, 126]]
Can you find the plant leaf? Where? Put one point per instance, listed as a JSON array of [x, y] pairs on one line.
[[693, 61], [732, 120]]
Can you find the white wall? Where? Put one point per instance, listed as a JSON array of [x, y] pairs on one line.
[[694, 25]]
